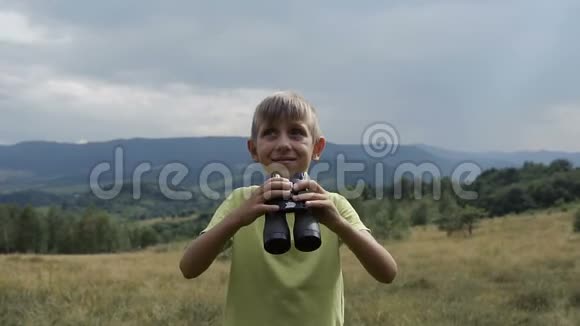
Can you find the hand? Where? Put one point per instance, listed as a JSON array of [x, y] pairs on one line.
[[319, 201], [256, 205]]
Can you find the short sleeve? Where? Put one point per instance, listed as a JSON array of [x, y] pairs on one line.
[[231, 202], [348, 212], [226, 207]]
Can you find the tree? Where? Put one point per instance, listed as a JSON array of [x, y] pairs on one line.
[[517, 200], [54, 226], [445, 204], [98, 232], [543, 193], [69, 241], [577, 221], [469, 216], [508, 176], [28, 237], [419, 214], [460, 219], [7, 229], [446, 219], [381, 216], [148, 237], [560, 165], [123, 238]]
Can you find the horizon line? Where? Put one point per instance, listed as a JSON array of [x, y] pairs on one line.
[[436, 147]]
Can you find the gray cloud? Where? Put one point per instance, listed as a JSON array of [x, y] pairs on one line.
[[459, 74]]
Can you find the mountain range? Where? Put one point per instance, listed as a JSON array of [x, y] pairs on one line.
[[66, 167]]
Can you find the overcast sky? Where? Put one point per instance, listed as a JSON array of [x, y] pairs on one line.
[[466, 75]]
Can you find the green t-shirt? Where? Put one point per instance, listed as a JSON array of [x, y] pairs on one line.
[[295, 288]]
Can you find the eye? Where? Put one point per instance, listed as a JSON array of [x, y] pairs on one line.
[[298, 131], [268, 132]]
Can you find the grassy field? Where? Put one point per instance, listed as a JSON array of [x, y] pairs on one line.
[[518, 270], [156, 220]]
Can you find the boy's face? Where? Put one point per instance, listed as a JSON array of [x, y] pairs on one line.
[[285, 143]]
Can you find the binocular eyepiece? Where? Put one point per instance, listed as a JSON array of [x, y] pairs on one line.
[[306, 230]]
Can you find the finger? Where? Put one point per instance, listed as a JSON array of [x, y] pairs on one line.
[[309, 184], [281, 183], [270, 208], [276, 178], [271, 194], [300, 185], [318, 203], [309, 196], [258, 192], [315, 186]]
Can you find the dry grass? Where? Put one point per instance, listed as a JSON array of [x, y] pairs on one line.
[[519, 270]]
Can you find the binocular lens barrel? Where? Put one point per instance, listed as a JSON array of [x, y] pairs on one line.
[[276, 234], [306, 229], [306, 232]]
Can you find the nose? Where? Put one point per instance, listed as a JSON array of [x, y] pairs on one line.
[[283, 142]]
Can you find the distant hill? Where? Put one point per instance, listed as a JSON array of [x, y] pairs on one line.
[[51, 165], [65, 168], [500, 159]]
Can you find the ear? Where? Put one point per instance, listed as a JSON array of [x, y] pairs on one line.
[[318, 148], [252, 150]]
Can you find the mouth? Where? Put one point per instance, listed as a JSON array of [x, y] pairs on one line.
[[284, 160]]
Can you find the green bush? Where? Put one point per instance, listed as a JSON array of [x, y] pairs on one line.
[[459, 219], [385, 219], [419, 216]]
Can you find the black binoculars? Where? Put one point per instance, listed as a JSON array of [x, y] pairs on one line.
[[306, 230]]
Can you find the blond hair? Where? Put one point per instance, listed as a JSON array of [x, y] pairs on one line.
[[286, 105]]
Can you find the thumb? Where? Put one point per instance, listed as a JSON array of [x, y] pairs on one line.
[[271, 208]]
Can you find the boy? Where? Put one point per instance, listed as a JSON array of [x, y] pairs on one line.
[[295, 288]]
